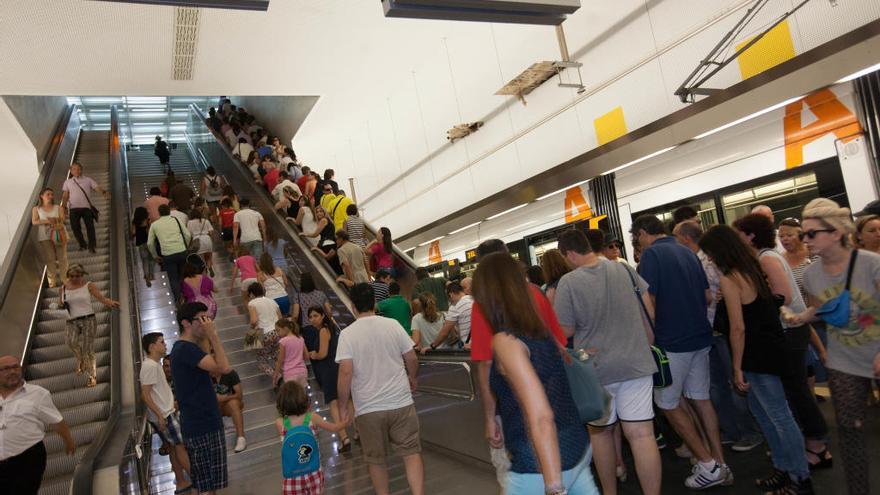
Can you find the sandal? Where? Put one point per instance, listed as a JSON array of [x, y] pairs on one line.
[[825, 460], [92, 382], [346, 446], [776, 481]]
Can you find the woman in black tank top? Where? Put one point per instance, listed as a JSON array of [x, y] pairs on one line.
[[757, 342]]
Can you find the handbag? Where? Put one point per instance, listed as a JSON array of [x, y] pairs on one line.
[[663, 375], [589, 395], [835, 311], [95, 211], [253, 339]]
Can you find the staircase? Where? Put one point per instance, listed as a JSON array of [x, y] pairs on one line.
[[257, 470], [50, 363]]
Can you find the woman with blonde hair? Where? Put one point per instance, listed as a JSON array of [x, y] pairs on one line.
[[51, 235], [82, 324], [843, 285]]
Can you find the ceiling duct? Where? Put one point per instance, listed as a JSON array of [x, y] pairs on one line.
[[547, 12], [186, 41], [262, 5]]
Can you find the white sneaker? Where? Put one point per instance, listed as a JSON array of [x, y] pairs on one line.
[[703, 478], [240, 444]]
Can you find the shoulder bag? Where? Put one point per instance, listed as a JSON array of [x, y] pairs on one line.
[[194, 243], [590, 397], [663, 375], [95, 211], [835, 311]]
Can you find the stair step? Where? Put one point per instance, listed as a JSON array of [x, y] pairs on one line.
[[69, 381], [52, 333], [77, 397], [47, 369], [54, 352]]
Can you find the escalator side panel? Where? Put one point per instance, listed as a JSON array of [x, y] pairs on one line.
[[22, 269]]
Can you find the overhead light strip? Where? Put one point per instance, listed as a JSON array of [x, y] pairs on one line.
[[554, 193], [856, 75], [456, 231], [748, 117], [640, 160], [432, 240], [505, 212]]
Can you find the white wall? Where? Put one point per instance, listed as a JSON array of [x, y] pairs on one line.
[[281, 115], [38, 117], [19, 170]]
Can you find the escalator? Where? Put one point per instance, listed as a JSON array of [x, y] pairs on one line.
[[404, 265], [50, 363], [34, 327]]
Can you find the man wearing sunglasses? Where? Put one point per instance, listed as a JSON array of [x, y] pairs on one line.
[[26, 410]]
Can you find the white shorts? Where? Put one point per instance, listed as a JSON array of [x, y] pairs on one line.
[[630, 401], [247, 283], [690, 377]]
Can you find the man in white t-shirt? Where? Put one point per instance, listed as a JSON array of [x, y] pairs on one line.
[[378, 368], [161, 413], [250, 224]]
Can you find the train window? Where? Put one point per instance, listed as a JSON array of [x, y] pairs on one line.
[[785, 197], [705, 209]]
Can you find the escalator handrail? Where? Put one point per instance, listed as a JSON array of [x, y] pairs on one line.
[[140, 479], [407, 260], [83, 474], [326, 272], [201, 160], [24, 232]]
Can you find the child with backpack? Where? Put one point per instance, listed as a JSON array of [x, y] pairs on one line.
[[292, 353], [297, 427]]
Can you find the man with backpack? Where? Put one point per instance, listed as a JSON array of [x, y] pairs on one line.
[[211, 188]]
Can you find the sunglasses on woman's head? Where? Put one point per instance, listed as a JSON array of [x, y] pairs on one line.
[[812, 233]]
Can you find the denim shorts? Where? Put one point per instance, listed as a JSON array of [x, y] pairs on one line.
[[577, 480]]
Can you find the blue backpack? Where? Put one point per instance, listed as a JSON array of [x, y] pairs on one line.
[[299, 454]]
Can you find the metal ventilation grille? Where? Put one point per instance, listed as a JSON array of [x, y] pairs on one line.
[[186, 40]]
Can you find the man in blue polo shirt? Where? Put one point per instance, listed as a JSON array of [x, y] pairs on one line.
[[679, 289]]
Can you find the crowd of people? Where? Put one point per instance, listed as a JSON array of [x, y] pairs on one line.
[[289, 328], [743, 316]]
